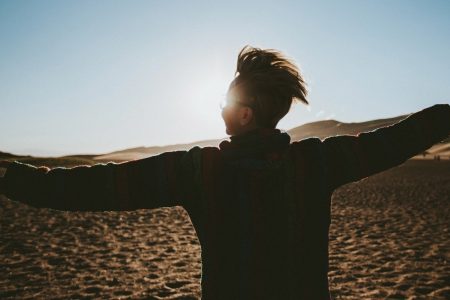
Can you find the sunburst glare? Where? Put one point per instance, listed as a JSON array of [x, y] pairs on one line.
[[206, 91]]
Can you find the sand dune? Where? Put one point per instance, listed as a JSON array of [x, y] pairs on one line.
[[389, 239]]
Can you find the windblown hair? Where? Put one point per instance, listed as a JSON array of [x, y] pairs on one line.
[[269, 82]]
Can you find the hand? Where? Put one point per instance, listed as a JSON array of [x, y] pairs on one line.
[[4, 164]]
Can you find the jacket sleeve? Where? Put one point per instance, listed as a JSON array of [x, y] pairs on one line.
[[351, 158], [153, 182]]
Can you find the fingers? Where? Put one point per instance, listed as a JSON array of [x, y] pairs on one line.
[[2, 186]]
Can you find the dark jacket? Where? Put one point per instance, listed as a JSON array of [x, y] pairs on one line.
[[259, 204]]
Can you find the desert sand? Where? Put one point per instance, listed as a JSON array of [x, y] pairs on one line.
[[389, 239]]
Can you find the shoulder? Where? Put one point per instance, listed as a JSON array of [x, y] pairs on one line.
[[308, 152], [199, 156], [306, 145], [203, 153]]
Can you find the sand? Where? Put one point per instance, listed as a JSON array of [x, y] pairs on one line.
[[389, 239]]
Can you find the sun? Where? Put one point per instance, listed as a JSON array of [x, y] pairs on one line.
[[206, 92]]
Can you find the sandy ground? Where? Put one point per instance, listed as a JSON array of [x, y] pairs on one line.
[[389, 239]]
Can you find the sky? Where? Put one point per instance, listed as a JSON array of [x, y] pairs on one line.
[[99, 76]]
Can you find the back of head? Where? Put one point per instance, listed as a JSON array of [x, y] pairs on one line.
[[269, 82]]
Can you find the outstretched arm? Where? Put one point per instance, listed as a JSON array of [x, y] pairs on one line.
[[147, 183], [351, 158]]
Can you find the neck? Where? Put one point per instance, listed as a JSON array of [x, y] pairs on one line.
[[249, 129], [259, 131]]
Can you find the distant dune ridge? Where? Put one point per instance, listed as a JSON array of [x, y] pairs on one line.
[[321, 129]]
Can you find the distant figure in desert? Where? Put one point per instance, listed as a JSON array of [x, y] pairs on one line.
[[260, 204]]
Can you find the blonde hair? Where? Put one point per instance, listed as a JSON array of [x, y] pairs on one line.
[[269, 83]]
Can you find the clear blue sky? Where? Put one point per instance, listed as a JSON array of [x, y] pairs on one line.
[[98, 76]]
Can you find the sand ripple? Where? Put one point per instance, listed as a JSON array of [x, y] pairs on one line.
[[389, 239]]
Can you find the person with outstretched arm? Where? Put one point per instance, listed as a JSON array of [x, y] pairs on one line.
[[259, 203]]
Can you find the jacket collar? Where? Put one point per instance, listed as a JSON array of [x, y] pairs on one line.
[[256, 142]]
